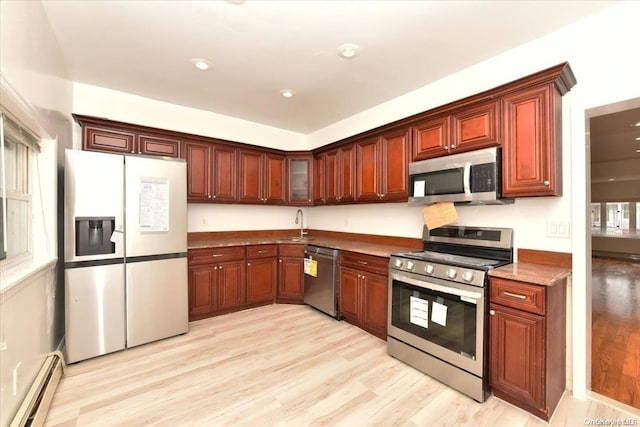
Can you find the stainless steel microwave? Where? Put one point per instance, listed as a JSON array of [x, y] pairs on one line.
[[474, 177]]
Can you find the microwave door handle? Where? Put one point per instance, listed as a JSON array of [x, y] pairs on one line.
[[466, 178]]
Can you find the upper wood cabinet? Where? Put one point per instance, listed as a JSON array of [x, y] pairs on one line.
[[470, 128], [211, 172], [336, 171], [109, 137], [158, 145], [262, 177], [319, 179], [382, 167], [476, 127], [532, 150], [430, 138], [300, 182]]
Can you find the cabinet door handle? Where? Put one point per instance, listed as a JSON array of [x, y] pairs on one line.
[[547, 183], [248, 264], [492, 312], [509, 294], [262, 252], [446, 147], [363, 262], [209, 195], [453, 146], [279, 260], [217, 255]]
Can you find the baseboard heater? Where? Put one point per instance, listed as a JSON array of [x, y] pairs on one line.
[[35, 405]]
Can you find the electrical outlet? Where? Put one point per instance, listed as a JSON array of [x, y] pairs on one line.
[[346, 221], [203, 221]]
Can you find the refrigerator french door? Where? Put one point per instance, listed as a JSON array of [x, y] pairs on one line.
[[125, 251], [155, 249]]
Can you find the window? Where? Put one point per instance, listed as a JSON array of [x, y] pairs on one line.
[[17, 146], [595, 216]]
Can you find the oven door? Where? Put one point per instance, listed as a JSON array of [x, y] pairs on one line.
[[444, 319]]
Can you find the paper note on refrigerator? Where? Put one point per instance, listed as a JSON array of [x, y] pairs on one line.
[[419, 311], [154, 204], [439, 313], [311, 267], [439, 214]]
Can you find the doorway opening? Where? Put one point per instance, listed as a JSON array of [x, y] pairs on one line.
[[614, 132]]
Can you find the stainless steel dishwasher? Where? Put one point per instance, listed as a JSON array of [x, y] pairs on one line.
[[321, 291]]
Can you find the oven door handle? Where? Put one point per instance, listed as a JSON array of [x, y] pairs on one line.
[[439, 288]]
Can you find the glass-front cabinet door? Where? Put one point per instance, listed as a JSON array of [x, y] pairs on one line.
[[300, 180]]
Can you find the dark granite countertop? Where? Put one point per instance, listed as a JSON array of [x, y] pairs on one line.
[[539, 274], [343, 245]]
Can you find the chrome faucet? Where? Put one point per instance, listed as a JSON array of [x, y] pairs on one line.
[[300, 218]]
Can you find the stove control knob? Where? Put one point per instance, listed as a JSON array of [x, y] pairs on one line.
[[410, 265], [452, 273], [398, 263], [467, 276], [429, 269]]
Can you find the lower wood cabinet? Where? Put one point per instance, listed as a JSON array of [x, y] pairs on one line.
[[364, 292], [262, 273], [216, 280], [527, 344], [290, 274]]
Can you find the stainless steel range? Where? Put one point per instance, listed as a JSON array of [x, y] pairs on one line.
[[438, 304]]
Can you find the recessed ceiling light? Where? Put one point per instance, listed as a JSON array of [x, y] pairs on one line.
[[638, 138], [348, 50], [612, 179], [637, 124], [201, 64], [287, 93], [637, 151]]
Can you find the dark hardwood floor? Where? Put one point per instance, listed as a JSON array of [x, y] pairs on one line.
[[615, 350]]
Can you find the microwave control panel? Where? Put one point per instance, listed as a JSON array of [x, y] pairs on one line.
[[483, 178]]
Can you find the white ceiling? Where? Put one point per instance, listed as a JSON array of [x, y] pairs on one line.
[[260, 47]]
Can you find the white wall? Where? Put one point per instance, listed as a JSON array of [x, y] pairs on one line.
[[34, 71], [114, 105]]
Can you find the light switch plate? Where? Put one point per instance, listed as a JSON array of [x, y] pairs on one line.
[[558, 229]]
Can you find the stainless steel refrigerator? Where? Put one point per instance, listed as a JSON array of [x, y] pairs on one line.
[[125, 251]]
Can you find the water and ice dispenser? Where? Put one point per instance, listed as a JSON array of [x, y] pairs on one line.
[[93, 235]]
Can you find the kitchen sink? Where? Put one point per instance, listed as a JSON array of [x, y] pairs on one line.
[[298, 239]]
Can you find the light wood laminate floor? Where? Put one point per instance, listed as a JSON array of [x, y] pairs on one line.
[[615, 334], [278, 365]]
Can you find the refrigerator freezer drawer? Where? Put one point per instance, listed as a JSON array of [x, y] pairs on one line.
[[95, 306], [157, 293]]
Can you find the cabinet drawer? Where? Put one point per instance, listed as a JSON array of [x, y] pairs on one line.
[[518, 295], [373, 264], [216, 255], [262, 251], [291, 251]]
